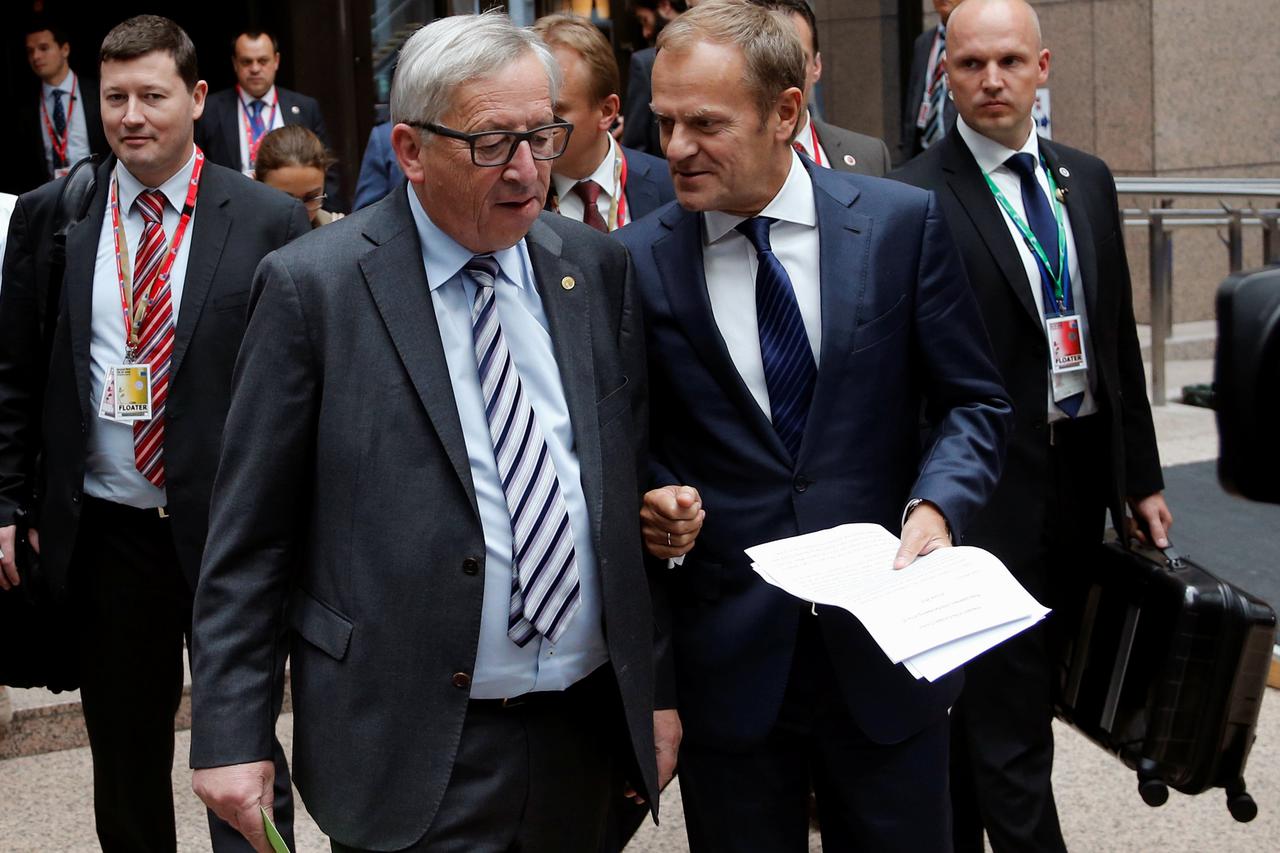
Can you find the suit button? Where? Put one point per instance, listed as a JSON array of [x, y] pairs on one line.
[[470, 566], [461, 680], [801, 484], [75, 497]]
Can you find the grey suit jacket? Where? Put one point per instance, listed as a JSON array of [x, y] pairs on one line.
[[869, 154], [345, 498]]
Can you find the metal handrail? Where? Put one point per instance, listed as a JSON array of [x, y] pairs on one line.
[[1159, 222]]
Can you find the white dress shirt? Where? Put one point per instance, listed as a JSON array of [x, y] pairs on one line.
[[571, 204], [808, 141], [503, 669], [729, 262], [78, 130], [272, 118], [110, 471], [991, 156]]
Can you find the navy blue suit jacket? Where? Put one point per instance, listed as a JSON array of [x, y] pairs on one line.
[[379, 170], [648, 183], [901, 334]]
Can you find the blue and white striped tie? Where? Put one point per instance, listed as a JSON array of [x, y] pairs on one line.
[[545, 588]]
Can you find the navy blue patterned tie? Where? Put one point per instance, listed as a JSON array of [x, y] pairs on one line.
[[789, 367], [1045, 227], [59, 127]]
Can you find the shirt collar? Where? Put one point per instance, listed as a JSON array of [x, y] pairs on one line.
[[603, 175], [64, 86], [268, 97], [793, 203], [991, 154], [174, 189], [443, 257], [804, 129]]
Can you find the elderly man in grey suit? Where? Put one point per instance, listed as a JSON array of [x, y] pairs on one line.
[[431, 472]]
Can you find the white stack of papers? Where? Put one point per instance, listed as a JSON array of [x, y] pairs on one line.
[[938, 613]]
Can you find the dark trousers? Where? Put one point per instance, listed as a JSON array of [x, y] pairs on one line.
[[1002, 725], [871, 797], [135, 613], [532, 777]]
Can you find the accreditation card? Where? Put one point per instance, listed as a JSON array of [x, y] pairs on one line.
[[126, 393], [1066, 347]]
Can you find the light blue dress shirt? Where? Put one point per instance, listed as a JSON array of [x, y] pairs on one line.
[[502, 668], [78, 130]]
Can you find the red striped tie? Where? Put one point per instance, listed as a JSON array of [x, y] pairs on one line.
[[155, 340]]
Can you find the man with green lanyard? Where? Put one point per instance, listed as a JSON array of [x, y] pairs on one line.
[[1039, 232]]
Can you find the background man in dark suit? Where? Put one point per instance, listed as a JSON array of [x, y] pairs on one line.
[[123, 507], [927, 110], [596, 181], [638, 130], [825, 144], [379, 170], [1083, 439], [787, 406], [236, 119], [58, 124], [442, 400]]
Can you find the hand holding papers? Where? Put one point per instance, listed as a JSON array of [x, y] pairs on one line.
[[943, 610]]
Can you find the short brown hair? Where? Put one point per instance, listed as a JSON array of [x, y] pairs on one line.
[[145, 34], [291, 145], [774, 56], [585, 39]]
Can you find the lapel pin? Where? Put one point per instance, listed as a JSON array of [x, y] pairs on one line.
[[1061, 193], [850, 160], [1064, 171], [567, 282], [295, 109]]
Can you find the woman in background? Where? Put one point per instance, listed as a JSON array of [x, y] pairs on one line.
[[294, 160]]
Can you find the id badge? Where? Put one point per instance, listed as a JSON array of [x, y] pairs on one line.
[[131, 384], [1066, 347], [107, 406], [922, 118]]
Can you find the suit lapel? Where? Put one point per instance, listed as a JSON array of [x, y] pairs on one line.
[[77, 282], [844, 240], [1081, 229], [679, 258], [394, 275], [212, 221], [833, 145], [569, 316], [965, 179]]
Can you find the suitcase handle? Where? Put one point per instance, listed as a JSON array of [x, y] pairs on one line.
[[1171, 559]]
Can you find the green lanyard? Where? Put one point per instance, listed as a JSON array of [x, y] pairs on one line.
[[1029, 236]]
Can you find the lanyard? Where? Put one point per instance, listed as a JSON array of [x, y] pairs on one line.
[[1058, 294], [618, 202], [136, 311], [59, 146], [251, 145], [813, 144]]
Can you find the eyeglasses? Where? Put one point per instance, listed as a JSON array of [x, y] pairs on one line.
[[497, 147], [313, 201]]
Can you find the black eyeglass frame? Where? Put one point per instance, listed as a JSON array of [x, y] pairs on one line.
[[516, 137]]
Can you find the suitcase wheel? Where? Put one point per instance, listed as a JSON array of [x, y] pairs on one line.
[[1156, 793], [1240, 804]]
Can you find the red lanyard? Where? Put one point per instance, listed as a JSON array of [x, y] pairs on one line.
[[135, 313], [59, 147], [250, 144], [813, 143]]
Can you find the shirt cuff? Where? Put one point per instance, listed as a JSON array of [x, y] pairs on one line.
[[672, 562]]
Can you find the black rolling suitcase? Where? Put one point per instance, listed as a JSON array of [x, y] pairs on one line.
[[1164, 665]]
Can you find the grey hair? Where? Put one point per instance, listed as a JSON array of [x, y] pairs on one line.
[[452, 51]]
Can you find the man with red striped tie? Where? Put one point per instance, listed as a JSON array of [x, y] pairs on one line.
[[111, 411]]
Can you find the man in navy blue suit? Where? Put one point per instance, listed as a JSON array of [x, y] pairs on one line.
[[799, 322], [596, 180]]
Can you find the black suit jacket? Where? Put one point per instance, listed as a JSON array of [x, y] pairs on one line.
[[639, 130], [909, 139], [899, 327], [45, 408], [1011, 523], [26, 168], [869, 153], [349, 444], [218, 133]]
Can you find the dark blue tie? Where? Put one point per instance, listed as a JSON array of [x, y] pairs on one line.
[[59, 126], [1045, 227], [789, 368]]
